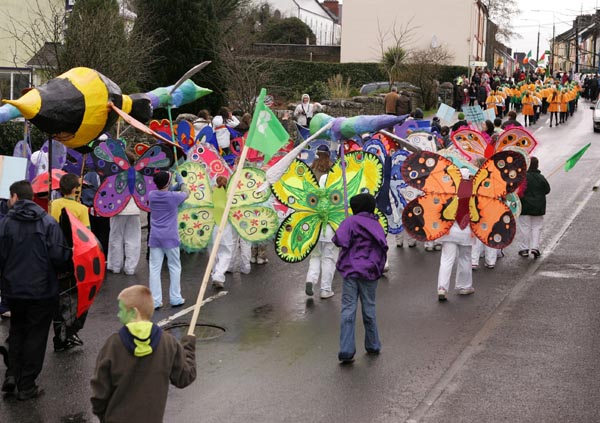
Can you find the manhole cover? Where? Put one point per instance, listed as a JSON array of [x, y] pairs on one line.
[[203, 331]]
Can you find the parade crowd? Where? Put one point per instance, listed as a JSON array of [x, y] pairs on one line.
[[136, 365]]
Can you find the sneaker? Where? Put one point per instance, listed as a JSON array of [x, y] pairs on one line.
[[437, 247], [524, 253], [64, 346], [245, 271], [75, 339], [535, 253], [6, 314], [373, 352], [326, 294], [474, 266], [466, 291], [399, 245], [442, 294], [29, 394], [157, 306], [253, 260], [218, 285], [9, 385], [346, 360], [129, 273], [429, 249], [412, 244], [386, 267], [489, 266], [180, 304], [308, 288], [262, 260]]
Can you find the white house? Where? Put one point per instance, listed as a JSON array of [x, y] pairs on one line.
[[312, 13], [459, 25]]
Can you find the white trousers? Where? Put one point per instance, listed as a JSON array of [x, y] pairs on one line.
[[491, 254], [322, 262], [464, 275], [240, 255], [529, 229], [224, 253], [404, 236], [125, 240]]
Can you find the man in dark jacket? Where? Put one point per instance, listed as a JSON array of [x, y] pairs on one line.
[[32, 250], [404, 104]]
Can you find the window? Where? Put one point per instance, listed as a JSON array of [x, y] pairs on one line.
[[12, 82]]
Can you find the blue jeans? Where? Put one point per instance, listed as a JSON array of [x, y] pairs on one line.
[[351, 290], [156, 259]]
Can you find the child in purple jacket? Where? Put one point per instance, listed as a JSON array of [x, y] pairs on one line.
[[363, 253]]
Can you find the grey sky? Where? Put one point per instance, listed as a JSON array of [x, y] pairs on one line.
[[541, 14]]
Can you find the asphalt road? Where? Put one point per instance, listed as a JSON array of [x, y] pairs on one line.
[[523, 348]]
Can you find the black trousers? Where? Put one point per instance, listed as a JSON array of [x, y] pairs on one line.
[[28, 335]]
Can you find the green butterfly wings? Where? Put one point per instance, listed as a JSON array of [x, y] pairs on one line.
[[315, 207]]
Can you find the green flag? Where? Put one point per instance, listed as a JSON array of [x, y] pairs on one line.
[[572, 161], [266, 134]]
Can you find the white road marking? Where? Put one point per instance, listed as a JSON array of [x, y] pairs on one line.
[[190, 309]]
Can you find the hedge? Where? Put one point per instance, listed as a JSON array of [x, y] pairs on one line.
[[291, 78]]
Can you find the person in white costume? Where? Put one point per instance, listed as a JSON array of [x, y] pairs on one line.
[[456, 245]]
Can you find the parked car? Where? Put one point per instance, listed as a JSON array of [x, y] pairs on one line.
[[596, 116], [367, 89]]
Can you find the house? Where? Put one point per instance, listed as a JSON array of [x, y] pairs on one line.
[[19, 59], [321, 20], [459, 25]]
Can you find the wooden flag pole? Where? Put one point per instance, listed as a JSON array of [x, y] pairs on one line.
[[213, 254]]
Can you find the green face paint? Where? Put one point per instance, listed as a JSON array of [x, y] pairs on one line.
[[125, 315]]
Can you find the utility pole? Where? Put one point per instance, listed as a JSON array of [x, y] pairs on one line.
[[537, 50], [577, 44]]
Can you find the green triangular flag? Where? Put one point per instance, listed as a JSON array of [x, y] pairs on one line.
[[572, 161]]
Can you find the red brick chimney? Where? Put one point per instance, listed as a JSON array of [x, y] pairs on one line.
[[333, 6]]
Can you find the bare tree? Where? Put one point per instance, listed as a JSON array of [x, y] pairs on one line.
[[394, 47], [423, 70], [39, 36], [502, 12], [244, 72]]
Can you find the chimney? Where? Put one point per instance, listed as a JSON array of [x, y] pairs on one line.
[[333, 6]]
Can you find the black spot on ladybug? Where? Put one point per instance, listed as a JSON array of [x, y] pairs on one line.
[[82, 236], [96, 266], [264, 230], [80, 272], [92, 293]]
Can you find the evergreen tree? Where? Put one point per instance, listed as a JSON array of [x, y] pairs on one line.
[[96, 37], [191, 31]]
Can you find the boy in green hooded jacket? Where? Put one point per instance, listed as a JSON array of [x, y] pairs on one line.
[[136, 365]]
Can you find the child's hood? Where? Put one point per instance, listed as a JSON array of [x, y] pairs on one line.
[[140, 338]]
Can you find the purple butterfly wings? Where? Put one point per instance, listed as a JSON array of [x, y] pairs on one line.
[[121, 180]]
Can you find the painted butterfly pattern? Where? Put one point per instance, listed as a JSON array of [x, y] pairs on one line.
[[121, 180], [203, 209], [314, 207], [429, 217]]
